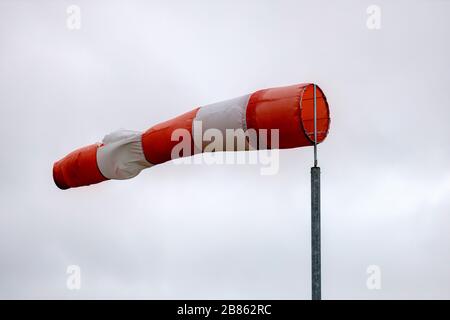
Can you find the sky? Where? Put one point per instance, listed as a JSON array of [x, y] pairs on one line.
[[226, 231]]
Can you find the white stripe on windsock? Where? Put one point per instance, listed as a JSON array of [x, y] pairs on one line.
[[121, 156], [228, 114]]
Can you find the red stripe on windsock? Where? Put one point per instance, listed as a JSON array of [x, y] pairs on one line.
[[157, 141], [285, 109], [78, 168]]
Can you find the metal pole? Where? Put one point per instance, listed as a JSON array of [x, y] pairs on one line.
[[315, 217], [315, 127]]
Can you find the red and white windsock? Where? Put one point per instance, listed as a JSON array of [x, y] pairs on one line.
[[123, 154]]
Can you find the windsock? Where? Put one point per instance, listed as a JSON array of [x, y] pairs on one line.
[[124, 153]]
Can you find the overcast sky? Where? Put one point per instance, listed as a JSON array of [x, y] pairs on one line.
[[225, 231]]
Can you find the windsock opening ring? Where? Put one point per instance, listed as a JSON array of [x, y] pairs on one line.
[[307, 113]]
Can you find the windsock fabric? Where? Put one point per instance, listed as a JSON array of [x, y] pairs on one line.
[[124, 153]]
